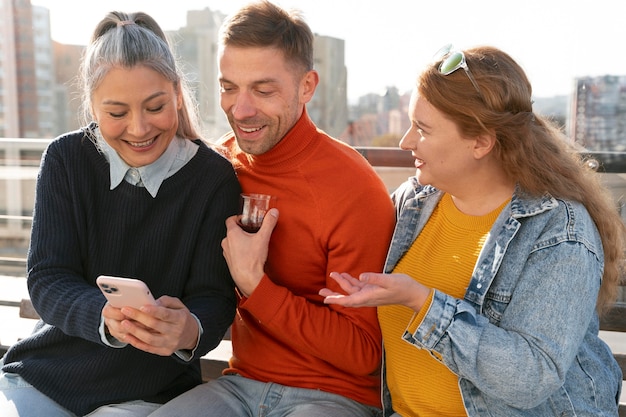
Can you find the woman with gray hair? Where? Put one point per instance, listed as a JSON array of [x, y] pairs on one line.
[[135, 193]]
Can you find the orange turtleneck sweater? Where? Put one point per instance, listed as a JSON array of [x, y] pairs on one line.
[[335, 215]]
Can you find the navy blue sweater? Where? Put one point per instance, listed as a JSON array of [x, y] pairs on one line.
[[82, 229]]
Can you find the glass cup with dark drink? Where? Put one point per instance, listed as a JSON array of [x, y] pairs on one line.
[[253, 209]]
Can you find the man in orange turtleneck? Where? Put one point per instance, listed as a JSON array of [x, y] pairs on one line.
[[292, 353]]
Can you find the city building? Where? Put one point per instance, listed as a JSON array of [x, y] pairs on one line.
[[8, 72], [598, 113], [66, 89], [45, 80], [196, 47], [378, 117], [17, 72], [329, 106], [27, 81]]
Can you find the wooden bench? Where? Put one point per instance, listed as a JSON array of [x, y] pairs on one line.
[[217, 360]]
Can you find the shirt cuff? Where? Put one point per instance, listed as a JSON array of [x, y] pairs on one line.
[[186, 354], [106, 337]]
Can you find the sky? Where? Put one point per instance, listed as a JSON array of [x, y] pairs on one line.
[[387, 42]]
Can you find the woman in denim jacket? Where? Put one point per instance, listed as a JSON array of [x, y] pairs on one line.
[[506, 251]]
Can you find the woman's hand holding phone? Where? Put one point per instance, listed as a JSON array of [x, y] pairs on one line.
[[125, 292], [161, 326]]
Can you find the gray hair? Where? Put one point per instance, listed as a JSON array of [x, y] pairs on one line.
[[127, 40]]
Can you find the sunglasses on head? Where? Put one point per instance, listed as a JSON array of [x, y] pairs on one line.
[[452, 61]]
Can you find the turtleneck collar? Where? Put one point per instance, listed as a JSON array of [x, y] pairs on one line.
[[290, 151]]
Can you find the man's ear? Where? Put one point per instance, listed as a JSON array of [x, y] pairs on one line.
[[308, 85]]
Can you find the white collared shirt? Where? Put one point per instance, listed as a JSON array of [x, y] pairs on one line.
[[178, 153]]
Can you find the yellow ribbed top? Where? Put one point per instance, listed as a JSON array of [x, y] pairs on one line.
[[442, 257]]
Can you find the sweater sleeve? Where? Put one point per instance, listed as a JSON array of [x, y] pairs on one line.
[[210, 291], [354, 229], [56, 286]]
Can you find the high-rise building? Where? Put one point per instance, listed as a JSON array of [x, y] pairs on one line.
[[17, 69], [26, 71], [196, 46], [329, 106], [598, 110], [67, 89], [44, 74], [9, 115]]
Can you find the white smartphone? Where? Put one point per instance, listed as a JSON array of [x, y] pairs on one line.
[[125, 292]]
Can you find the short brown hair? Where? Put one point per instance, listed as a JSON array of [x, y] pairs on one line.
[[263, 24]]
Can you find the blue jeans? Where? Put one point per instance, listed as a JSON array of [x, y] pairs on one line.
[[236, 396], [20, 399]]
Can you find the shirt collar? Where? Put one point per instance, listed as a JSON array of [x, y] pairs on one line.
[[152, 175]]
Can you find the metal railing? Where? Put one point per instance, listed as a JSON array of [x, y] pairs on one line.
[[381, 158]]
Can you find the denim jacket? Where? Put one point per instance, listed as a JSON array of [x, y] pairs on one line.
[[524, 339]]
